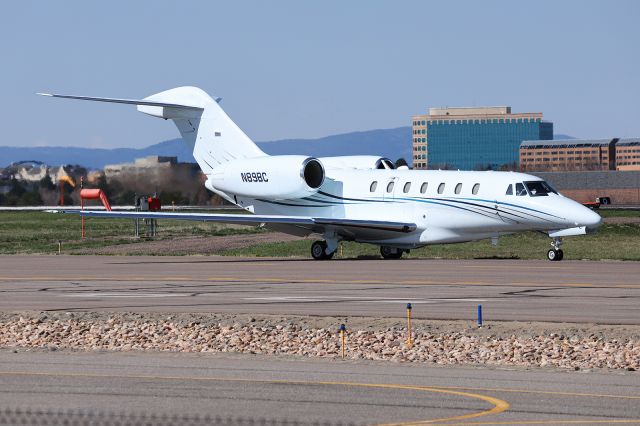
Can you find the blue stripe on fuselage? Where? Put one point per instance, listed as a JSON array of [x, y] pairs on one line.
[[435, 201]]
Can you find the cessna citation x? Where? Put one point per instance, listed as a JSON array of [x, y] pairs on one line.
[[354, 198]]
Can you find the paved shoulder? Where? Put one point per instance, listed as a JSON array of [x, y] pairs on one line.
[[310, 391]]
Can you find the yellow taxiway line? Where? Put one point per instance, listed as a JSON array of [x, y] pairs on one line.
[[541, 392], [550, 422], [499, 405]]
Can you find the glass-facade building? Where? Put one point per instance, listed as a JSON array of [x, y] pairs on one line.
[[474, 138]]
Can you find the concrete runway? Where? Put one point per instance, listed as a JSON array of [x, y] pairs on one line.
[[568, 291], [307, 391]]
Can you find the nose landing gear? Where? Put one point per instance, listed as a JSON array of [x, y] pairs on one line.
[[556, 253]]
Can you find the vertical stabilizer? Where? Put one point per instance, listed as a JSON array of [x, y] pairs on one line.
[[211, 135]]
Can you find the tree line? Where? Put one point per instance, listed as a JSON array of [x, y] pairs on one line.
[[179, 187]]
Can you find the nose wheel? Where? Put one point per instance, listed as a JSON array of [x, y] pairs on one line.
[[555, 254]]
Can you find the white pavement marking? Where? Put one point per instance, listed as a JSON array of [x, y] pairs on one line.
[[422, 301], [295, 299]]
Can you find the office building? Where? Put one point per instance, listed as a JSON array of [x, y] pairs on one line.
[[580, 154], [628, 154], [474, 138]]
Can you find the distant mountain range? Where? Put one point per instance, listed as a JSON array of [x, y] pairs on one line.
[[390, 143], [560, 136]]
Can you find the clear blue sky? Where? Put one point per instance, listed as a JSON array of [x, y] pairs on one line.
[[307, 69]]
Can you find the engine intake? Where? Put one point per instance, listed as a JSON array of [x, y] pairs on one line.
[[313, 172]]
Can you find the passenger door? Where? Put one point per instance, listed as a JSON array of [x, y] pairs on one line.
[[514, 192]]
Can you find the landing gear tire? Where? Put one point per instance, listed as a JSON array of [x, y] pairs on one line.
[[390, 252], [555, 255], [318, 251]]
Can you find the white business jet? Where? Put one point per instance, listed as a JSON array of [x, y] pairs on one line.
[[354, 198]]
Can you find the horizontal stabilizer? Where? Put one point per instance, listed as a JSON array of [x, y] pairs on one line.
[[208, 132], [124, 101]]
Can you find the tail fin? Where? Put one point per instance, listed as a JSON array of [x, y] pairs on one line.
[[211, 135]]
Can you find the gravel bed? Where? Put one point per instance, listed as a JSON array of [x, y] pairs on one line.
[[570, 346]]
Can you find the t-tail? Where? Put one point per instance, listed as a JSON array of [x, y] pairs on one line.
[[212, 137]]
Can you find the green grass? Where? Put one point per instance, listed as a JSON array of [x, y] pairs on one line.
[[619, 242], [618, 212], [38, 232]]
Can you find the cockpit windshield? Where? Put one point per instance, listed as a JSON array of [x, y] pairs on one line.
[[539, 188]]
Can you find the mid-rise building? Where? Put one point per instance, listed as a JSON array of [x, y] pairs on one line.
[[568, 154], [628, 154], [580, 154], [474, 137]]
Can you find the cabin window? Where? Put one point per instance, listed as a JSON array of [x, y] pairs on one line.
[[475, 189], [441, 188], [407, 187], [373, 186], [458, 188], [423, 188], [390, 186], [520, 190], [509, 190]]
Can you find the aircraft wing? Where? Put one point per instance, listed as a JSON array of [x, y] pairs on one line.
[[312, 224]]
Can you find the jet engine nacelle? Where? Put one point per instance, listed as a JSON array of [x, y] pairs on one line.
[[357, 162], [274, 177]]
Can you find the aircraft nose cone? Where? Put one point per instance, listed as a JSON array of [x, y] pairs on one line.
[[589, 218]]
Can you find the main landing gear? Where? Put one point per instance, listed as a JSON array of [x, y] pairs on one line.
[[556, 253], [319, 251], [324, 250], [391, 252]]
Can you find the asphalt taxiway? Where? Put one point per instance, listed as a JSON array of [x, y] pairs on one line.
[[306, 391], [567, 291]]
